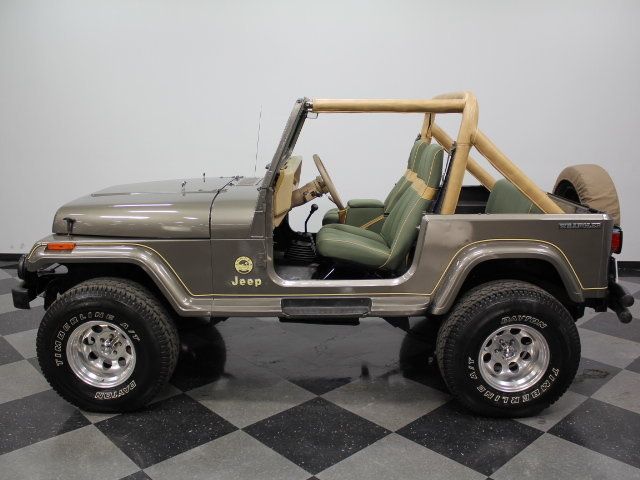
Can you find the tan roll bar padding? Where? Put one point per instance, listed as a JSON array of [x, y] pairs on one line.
[[426, 132], [458, 165], [474, 168], [468, 136], [454, 105]]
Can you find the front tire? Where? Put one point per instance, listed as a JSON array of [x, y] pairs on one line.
[[107, 345], [508, 349]]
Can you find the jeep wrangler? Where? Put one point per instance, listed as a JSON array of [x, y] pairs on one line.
[[502, 267]]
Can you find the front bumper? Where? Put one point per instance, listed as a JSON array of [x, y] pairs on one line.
[[22, 296], [26, 289]]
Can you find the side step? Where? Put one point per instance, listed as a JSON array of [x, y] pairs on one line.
[[335, 311]]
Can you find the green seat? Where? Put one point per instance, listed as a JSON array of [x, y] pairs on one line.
[[388, 249], [506, 198], [369, 213]]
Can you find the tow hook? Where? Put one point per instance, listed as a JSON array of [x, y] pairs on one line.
[[619, 301]]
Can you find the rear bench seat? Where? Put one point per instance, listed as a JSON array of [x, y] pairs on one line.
[[506, 198]]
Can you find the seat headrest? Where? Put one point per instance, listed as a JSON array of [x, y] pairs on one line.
[[413, 155], [428, 164]]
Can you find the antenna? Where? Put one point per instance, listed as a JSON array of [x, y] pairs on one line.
[[255, 166]]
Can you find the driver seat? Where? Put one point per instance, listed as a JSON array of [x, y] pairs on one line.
[[388, 249], [369, 213]]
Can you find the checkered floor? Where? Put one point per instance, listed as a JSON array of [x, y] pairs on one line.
[[254, 398]]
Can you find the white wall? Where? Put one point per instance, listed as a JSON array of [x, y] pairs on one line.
[[94, 93]]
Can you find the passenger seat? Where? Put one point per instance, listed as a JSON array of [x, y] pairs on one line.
[[387, 250]]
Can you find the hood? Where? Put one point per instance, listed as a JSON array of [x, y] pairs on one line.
[[164, 209]]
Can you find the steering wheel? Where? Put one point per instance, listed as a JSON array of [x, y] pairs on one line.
[[334, 195]]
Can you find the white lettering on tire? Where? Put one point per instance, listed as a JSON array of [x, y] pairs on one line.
[[523, 319], [113, 394]]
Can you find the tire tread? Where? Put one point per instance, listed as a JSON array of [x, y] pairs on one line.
[[134, 296], [479, 298]]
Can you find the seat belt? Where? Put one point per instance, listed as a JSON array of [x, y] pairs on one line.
[[437, 205]]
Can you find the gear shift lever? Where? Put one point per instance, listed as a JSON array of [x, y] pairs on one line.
[[314, 207]]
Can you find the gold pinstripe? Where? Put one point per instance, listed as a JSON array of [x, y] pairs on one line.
[[89, 244]]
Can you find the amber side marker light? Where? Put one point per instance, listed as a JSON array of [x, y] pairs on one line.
[[61, 246]]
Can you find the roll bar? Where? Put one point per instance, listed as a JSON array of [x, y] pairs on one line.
[[469, 136]]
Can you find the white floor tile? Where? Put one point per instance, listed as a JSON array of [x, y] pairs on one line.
[[608, 349], [20, 379], [24, 342], [79, 454], [395, 457], [550, 457], [622, 391], [232, 457], [391, 402]]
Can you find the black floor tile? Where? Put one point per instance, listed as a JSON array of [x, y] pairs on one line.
[[35, 418], [323, 376], [417, 355], [137, 476], [8, 354], [164, 429], [483, 444], [634, 366], [321, 334], [316, 434], [20, 320], [608, 323], [6, 284], [320, 385], [605, 428], [202, 358], [591, 376]]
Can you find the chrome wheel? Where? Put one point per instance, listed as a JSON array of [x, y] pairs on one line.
[[101, 354], [513, 358]]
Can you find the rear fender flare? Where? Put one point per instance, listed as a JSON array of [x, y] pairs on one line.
[[467, 259]]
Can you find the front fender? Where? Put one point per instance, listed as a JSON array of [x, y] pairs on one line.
[[119, 252]]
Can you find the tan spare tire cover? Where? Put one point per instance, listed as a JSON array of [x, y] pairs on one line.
[[594, 187]]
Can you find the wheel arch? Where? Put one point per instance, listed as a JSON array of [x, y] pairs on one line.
[[537, 263], [77, 272], [124, 261]]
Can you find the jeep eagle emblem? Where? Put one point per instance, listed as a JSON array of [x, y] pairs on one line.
[[244, 265]]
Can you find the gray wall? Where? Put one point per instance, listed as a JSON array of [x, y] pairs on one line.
[[94, 93]]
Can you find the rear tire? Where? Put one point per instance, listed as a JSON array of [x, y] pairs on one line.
[[107, 345], [508, 349]]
